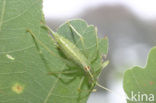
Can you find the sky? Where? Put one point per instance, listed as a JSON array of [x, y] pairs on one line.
[[68, 8]]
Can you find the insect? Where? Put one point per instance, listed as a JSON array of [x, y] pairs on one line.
[[73, 53]]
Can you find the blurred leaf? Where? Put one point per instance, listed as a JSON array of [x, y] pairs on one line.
[[25, 64], [139, 81], [90, 38], [103, 44]]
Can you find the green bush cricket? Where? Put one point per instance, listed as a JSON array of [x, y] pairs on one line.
[[73, 54]]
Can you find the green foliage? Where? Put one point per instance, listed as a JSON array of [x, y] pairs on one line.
[[142, 81], [25, 64]]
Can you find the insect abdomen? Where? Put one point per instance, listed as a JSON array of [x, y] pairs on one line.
[[71, 51]]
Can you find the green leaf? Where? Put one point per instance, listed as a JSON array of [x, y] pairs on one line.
[[25, 64], [140, 83], [90, 38]]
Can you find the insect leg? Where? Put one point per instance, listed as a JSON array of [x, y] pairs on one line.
[[64, 72], [97, 40], [97, 47], [44, 46], [78, 34], [80, 86], [81, 82], [103, 65], [33, 35], [64, 79], [40, 52]]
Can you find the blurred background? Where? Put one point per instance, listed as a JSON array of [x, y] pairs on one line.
[[130, 26]]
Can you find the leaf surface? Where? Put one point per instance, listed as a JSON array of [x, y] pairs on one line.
[[141, 81], [25, 63]]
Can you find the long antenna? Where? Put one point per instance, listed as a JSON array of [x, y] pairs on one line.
[[99, 85], [107, 89]]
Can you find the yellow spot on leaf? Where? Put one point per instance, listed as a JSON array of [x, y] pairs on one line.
[[17, 88], [10, 57]]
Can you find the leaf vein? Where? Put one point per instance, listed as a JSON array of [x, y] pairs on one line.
[[12, 18], [52, 88], [50, 92], [2, 13], [18, 49]]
